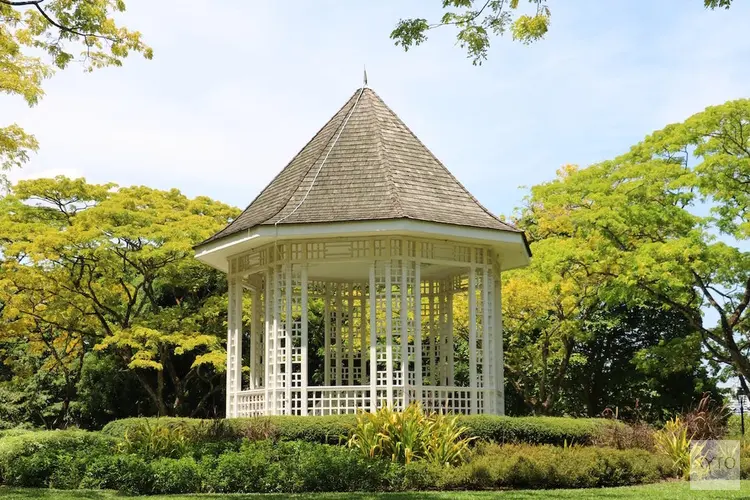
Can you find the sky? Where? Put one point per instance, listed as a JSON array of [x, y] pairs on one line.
[[236, 89]]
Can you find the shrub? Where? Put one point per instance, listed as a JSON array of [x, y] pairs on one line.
[[637, 435], [175, 476], [293, 467], [154, 439], [411, 434], [130, 474], [673, 441], [49, 458], [708, 420], [536, 430], [524, 466], [330, 429]]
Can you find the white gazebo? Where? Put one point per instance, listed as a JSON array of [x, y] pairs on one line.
[[351, 259]]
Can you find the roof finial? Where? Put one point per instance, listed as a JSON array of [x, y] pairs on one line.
[[365, 78]]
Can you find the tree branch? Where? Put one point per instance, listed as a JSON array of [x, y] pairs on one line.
[[37, 4]]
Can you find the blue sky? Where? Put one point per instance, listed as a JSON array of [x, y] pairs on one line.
[[237, 88]]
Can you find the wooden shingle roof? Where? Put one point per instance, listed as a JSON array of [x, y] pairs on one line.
[[373, 168]]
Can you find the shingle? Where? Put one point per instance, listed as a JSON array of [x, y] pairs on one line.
[[375, 168]]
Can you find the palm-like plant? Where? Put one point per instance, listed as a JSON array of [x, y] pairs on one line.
[[409, 435]]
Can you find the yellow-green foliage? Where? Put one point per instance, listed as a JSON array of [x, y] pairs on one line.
[[674, 442], [409, 435], [154, 440]]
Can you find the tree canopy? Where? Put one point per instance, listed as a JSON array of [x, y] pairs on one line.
[[665, 223], [477, 21], [38, 37], [93, 267]]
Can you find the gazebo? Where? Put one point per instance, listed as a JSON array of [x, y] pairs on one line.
[[351, 259]]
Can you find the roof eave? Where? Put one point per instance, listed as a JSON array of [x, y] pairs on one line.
[[512, 244]]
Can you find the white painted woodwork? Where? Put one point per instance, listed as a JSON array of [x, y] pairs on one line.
[[388, 330]]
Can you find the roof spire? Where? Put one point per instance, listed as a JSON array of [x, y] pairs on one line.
[[365, 77]]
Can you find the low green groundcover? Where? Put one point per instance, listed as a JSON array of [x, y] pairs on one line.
[[77, 459], [672, 490]]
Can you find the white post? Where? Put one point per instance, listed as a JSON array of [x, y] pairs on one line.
[[254, 332], [432, 332], [267, 342], [276, 338], [451, 354], [327, 332], [418, 329], [303, 320], [388, 339], [473, 339], [350, 331], [404, 314], [373, 342], [500, 355], [231, 347], [363, 334], [288, 342], [338, 380], [487, 360]]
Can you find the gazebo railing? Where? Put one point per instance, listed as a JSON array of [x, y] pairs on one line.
[[339, 400]]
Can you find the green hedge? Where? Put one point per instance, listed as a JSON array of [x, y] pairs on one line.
[[50, 458], [85, 460], [329, 429], [524, 466]]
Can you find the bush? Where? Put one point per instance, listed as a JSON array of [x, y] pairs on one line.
[[175, 476], [636, 435], [524, 466], [330, 429], [127, 473], [536, 430], [49, 458], [410, 435], [153, 439], [293, 467]]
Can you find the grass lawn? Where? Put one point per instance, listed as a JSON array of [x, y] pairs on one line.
[[670, 490]]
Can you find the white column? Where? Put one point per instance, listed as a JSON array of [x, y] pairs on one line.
[[350, 332], [327, 332], [418, 329], [267, 342], [404, 314], [434, 294], [338, 380], [363, 334], [388, 334], [234, 348], [254, 332], [473, 339], [499, 355], [288, 342], [449, 326], [303, 319], [373, 342], [276, 348], [487, 361]]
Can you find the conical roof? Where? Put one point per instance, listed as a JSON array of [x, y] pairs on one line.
[[364, 164]]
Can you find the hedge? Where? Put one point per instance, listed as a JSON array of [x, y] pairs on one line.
[[297, 466], [329, 429], [524, 466], [49, 458]]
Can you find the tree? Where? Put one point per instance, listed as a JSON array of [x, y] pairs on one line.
[[640, 214], [88, 266], [478, 21], [58, 29], [642, 362]]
